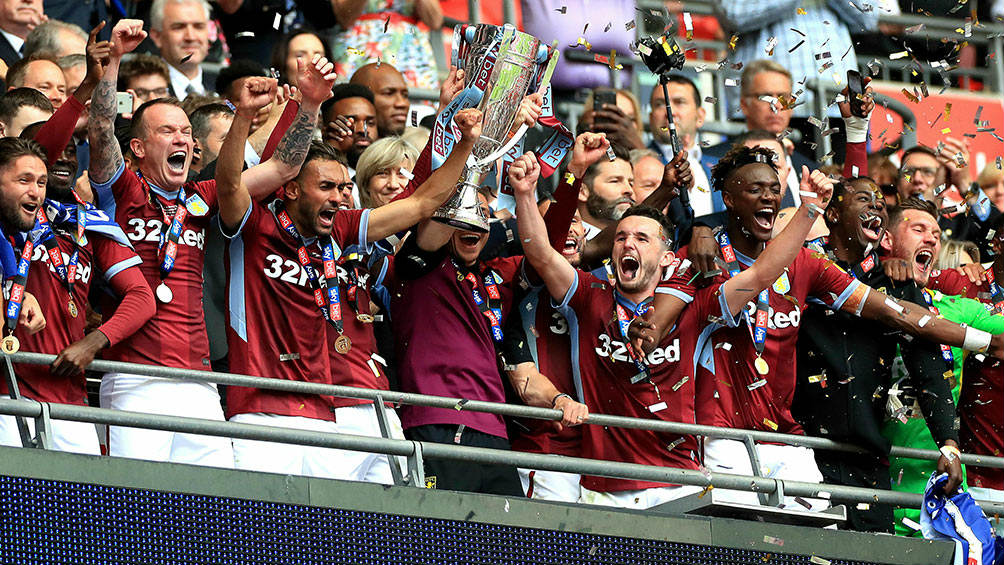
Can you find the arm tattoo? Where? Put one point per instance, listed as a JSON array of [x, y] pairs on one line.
[[292, 148], [106, 156]]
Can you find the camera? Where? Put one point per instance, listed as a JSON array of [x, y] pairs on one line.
[[661, 54]]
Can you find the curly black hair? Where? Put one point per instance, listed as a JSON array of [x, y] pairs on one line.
[[738, 157]]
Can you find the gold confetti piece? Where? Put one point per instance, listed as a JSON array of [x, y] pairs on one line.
[[732, 42], [946, 130], [770, 424], [801, 11], [948, 109], [771, 44], [706, 490], [899, 55], [680, 383], [688, 24], [909, 96]]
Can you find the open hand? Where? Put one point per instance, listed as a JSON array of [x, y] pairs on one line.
[[126, 36], [955, 156], [451, 87], [315, 79]]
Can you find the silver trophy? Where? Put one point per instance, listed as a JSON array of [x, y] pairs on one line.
[[517, 58]]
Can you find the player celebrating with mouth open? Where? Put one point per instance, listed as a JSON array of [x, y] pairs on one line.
[[843, 360], [614, 380], [166, 218], [744, 368], [298, 324]]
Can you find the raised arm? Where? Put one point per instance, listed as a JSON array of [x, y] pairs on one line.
[[917, 321], [314, 81], [555, 271], [856, 159], [106, 157], [815, 190], [234, 197], [431, 194]]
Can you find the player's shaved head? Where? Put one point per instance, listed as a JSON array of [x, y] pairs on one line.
[[390, 93]]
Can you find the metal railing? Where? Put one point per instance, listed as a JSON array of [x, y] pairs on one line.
[[415, 451]]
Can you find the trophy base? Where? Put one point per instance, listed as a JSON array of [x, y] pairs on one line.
[[467, 220]]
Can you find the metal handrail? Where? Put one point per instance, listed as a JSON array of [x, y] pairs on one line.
[[501, 409], [408, 448]]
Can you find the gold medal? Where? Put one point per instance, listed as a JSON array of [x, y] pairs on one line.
[[10, 344], [364, 318], [761, 366], [343, 344], [72, 307]]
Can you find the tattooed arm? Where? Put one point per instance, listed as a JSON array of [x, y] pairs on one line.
[[106, 157], [314, 82]]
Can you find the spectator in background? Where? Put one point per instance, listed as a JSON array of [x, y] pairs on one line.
[[390, 96], [180, 29], [688, 117], [353, 101], [252, 27], [647, 169], [565, 20], [955, 254], [991, 180], [210, 124], [55, 39], [74, 67], [84, 14], [299, 44], [885, 174], [621, 122], [21, 107], [44, 75], [146, 77], [383, 30], [826, 54], [380, 174], [17, 19], [766, 104]]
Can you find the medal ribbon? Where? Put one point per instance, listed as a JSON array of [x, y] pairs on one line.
[[492, 307], [326, 292], [622, 306], [946, 351], [20, 278], [67, 272], [996, 294], [353, 264], [757, 327], [169, 237]]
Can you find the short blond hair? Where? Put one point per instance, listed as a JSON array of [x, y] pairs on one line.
[[385, 153], [990, 175]]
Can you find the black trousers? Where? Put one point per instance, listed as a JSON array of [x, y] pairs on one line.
[[859, 471], [462, 475]]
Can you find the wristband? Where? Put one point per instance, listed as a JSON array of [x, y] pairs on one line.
[[976, 340], [856, 129], [559, 395], [950, 452]]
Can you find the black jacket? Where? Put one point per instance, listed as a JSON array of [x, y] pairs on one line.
[[856, 357]]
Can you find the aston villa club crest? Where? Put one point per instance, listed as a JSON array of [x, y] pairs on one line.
[[782, 285], [196, 205]]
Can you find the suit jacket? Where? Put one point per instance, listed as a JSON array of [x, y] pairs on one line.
[[7, 52], [208, 81]]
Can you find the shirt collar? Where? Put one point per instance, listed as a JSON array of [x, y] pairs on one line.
[[15, 41], [180, 82]]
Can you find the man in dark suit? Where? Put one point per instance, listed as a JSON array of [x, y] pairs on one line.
[[767, 104], [180, 29], [17, 18]]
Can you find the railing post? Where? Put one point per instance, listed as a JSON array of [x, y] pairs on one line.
[[474, 11], [416, 466], [15, 393], [765, 499], [997, 50], [381, 414], [43, 428]]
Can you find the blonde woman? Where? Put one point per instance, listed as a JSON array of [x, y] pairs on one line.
[[383, 170]]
